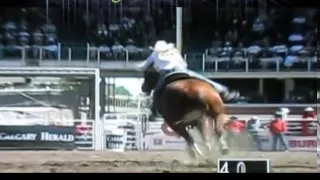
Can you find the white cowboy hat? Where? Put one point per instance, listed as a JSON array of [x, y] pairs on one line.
[[162, 46], [309, 109]]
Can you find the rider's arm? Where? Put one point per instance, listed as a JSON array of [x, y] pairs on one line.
[[180, 60], [148, 62]]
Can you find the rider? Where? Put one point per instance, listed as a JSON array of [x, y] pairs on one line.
[[166, 58]]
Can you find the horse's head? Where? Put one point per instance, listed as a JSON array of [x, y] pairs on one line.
[[150, 80]]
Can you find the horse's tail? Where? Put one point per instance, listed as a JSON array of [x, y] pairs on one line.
[[194, 114]]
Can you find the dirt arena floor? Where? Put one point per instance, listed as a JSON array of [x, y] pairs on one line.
[[147, 161]]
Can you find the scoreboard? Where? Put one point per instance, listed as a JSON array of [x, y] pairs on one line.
[[233, 165]]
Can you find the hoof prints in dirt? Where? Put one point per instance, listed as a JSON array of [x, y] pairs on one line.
[[146, 161], [107, 166]]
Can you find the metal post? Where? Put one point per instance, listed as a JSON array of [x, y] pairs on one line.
[[114, 92], [121, 11], [47, 11], [99, 135], [148, 4], [102, 97], [87, 7], [63, 11], [246, 8], [75, 12], [217, 10], [109, 12], [68, 11], [179, 28]]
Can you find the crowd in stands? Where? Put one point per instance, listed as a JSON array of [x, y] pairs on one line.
[[21, 29], [264, 38], [286, 36], [260, 38]]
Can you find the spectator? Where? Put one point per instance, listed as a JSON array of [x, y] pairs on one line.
[[50, 48], [38, 40], [132, 48], [254, 127], [280, 50], [216, 49], [234, 127], [93, 51], [291, 59], [102, 29], [314, 62], [277, 128], [105, 51], [24, 42], [118, 50], [49, 30], [309, 113], [231, 37], [10, 26], [114, 30], [258, 27], [253, 55], [225, 56], [11, 43], [238, 59], [23, 26]]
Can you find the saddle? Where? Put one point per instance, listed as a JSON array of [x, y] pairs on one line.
[[179, 75], [175, 76]]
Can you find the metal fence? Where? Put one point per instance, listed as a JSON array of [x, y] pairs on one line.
[[66, 56]]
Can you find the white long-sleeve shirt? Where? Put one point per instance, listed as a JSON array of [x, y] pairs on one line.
[[166, 60]]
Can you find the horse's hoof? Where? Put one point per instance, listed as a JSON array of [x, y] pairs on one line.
[[225, 151]]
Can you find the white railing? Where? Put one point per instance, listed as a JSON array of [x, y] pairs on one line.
[[199, 62], [137, 131], [294, 125], [157, 139]]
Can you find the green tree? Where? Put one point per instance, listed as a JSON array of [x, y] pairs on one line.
[[120, 90]]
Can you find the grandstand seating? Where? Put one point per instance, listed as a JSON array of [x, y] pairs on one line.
[[257, 39], [239, 44]]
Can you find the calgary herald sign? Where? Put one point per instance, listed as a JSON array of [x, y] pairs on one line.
[[37, 137]]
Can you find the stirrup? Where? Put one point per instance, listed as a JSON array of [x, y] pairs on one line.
[[230, 95]]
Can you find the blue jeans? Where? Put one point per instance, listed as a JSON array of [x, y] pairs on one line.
[[219, 87], [256, 140], [162, 75], [279, 137], [155, 96]]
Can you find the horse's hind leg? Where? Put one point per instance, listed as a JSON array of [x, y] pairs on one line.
[[205, 128], [193, 149], [221, 133]]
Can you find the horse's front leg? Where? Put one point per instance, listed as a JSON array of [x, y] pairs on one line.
[[221, 133]]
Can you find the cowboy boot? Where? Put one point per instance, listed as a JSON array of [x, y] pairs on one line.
[[154, 109], [230, 95]]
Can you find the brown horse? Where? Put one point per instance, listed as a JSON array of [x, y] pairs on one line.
[[185, 102]]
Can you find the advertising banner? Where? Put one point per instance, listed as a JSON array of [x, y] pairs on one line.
[[295, 143], [37, 137]]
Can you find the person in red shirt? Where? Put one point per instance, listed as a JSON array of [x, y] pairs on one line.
[[277, 128], [308, 114], [234, 127]]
